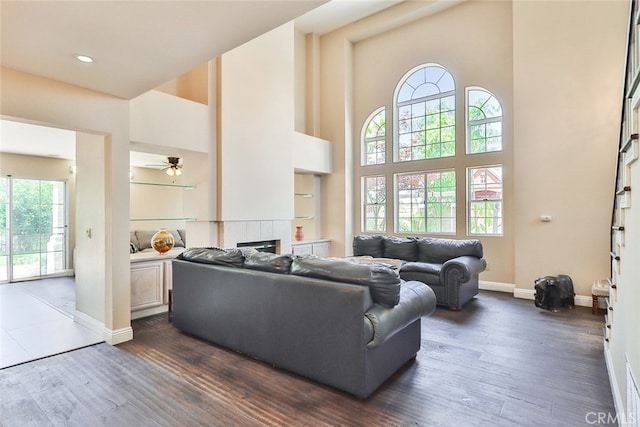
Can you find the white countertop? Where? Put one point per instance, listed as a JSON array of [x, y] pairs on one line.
[[149, 255], [308, 242]]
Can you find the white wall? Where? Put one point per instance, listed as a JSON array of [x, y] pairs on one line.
[[336, 125], [165, 120], [91, 250], [256, 127], [568, 65]]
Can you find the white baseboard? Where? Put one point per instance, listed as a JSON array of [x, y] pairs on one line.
[[583, 300], [88, 322], [613, 382], [496, 286], [118, 336], [110, 336], [580, 300], [524, 293], [149, 311]]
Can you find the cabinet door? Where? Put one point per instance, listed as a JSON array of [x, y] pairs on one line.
[[146, 285], [302, 249], [321, 249]]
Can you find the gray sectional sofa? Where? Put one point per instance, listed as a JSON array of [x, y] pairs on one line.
[[347, 325], [450, 267]]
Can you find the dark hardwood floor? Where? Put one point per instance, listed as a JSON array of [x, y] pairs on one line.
[[498, 362]]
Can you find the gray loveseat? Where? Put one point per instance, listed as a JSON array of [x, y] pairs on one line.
[[346, 325], [450, 267]]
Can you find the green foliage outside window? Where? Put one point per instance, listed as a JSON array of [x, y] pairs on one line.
[[426, 126], [484, 118], [485, 200], [374, 140], [375, 191], [427, 202], [37, 214]]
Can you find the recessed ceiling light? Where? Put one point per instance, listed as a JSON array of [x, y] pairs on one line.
[[84, 58]]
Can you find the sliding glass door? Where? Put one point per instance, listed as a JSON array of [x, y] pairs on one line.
[[34, 239], [4, 229]]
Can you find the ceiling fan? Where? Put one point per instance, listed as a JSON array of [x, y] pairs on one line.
[[172, 166]]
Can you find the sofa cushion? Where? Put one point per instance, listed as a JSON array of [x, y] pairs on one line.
[[368, 245], [178, 242], [183, 235], [383, 281], [144, 238], [266, 261], [400, 248], [438, 251], [133, 240], [365, 259], [421, 267], [228, 257]]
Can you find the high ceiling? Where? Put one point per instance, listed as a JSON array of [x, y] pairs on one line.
[[138, 45]]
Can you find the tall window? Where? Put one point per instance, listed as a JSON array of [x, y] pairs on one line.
[[373, 139], [484, 121], [485, 200], [374, 189], [424, 165], [426, 202], [425, 114]]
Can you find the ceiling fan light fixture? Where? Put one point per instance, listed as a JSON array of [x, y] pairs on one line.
[[173, 166]]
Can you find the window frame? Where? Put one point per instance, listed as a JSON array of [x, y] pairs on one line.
[[364, 205], [470, 201], [364, 141], [397, 105], [469, 123], [425, 173]]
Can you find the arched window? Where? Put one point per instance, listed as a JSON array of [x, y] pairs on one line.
[[373, 139], [484, 121], [425, 114]]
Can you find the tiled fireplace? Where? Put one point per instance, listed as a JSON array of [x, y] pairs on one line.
[[233, 232]]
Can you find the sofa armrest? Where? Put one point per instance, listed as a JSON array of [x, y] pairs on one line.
[[465, 267], [416, 300]]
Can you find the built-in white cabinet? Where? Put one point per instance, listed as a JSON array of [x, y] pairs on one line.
[[312, 247], [147, 288], [151, 280]]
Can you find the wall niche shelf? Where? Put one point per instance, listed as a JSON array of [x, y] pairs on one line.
[[163, 219], [156, 184]]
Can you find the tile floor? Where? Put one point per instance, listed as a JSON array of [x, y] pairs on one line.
[[34, 324]]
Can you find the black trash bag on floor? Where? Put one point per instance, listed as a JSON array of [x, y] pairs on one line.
[[554, 291]]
